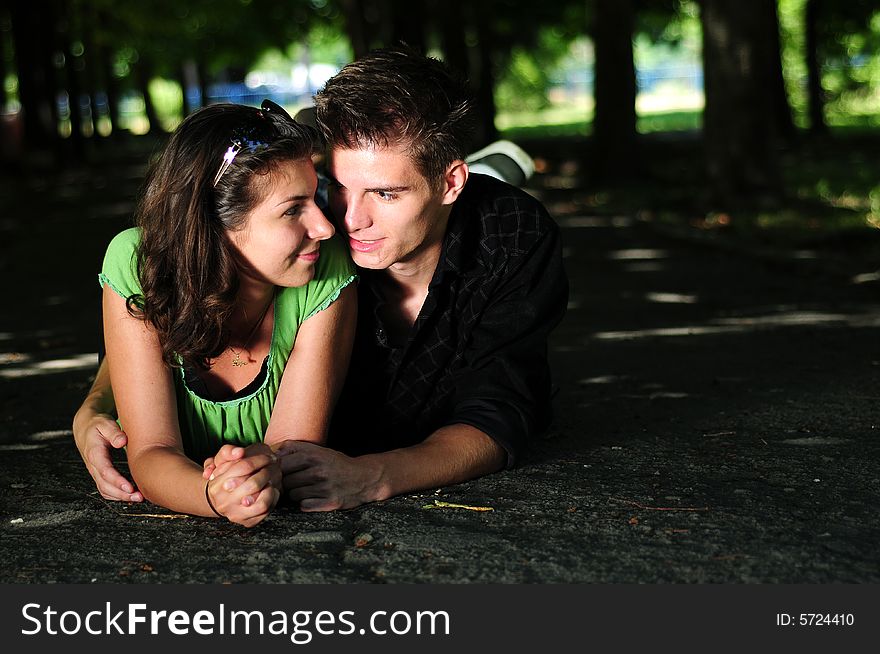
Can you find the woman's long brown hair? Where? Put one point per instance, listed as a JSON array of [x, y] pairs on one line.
[[188, 275]]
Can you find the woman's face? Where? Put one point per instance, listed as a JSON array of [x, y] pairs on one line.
[[280, 241]]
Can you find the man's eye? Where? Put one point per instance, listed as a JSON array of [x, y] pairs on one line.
[[387, 196]]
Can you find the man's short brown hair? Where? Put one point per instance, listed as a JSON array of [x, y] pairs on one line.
[[400, 97]]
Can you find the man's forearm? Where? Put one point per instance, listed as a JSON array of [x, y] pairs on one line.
[[451, 455]]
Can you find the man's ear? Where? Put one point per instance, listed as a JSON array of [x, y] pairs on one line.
[[454, 180]]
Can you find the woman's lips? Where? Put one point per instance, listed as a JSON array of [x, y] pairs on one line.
[[363, 246], [311, 257]]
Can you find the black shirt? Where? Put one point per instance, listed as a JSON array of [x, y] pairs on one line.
[[477, 353]]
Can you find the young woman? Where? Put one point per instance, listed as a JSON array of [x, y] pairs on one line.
[[228, 316]]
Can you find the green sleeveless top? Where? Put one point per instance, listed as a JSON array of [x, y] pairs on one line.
[[206, 425]]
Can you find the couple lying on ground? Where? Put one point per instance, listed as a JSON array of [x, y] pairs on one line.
[[243, 362]]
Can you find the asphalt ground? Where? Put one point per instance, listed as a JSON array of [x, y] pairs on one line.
[[716, 422]]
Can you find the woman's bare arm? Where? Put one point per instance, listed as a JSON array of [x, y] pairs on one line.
[[144, 391]]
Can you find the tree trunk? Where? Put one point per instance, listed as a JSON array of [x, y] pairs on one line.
[[10, 141], [113, 94], [740, 133], [485, 86], [353, 12], [815, 93], [143, 74], [453, 28], [33, 56], [183, 80], [71, 75], [111, 82], [456, 20], [92, 56], [408, 24], [3, 72], [202, 74], [614, 124]]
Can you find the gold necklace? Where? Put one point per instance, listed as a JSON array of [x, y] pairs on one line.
[[237, 361]]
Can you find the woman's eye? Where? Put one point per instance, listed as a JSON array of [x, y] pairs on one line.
[[295, 210]]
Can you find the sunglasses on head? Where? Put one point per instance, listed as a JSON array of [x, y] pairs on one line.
[[248, 138]]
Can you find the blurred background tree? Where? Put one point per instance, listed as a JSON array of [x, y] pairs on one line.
[[607, 77]]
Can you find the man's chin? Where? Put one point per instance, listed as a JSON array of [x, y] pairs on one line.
[[370, 261]]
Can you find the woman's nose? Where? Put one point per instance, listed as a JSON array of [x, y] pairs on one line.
[[319, 228]]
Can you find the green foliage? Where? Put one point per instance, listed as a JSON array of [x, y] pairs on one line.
[[531, 69], [668, 39], [524, 85], [221, 34], [849, 53], [325, 43], [168, 100], [543, 130], [532, 39], [577, 121], [791, 30], [669, 121], [555, 69], [666, 21], [123, 60]]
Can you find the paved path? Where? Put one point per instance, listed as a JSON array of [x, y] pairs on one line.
[[717, 422]]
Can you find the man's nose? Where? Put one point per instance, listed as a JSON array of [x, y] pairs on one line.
[[357, 216]]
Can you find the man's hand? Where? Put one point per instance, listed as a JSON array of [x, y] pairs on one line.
[[96, 436], [246, 483], [322, 479]]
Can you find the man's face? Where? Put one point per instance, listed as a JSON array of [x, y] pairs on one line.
[[390, 213]]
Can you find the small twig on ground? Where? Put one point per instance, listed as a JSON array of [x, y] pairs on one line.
[[113, 504], [660, 508], [439, 504]]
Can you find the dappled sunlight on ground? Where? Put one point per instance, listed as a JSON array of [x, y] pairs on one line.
[[870, 318], [671, 298], [24, 367], [647, 390], [602, 379], [865, 278], [636, 253], [38, 440]]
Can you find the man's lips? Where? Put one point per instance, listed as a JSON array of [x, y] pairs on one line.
[[365, 245]]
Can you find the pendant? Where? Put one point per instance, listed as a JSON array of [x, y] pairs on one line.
[[237, 361]]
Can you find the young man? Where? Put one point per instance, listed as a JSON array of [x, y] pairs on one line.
[[461, 283]]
